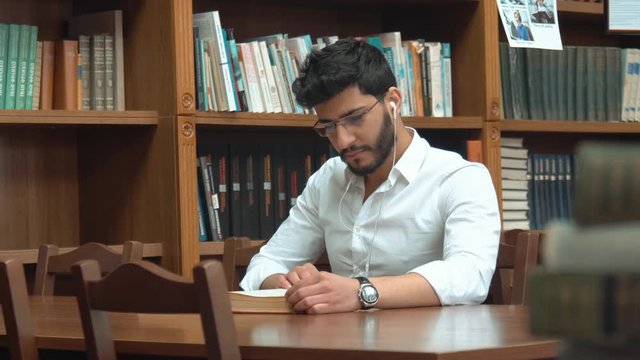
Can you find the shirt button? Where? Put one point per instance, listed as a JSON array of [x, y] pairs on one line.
[[357, 228]]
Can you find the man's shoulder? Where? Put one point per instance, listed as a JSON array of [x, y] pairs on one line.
[[447, 162]]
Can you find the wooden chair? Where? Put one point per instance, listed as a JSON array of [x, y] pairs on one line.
[[15, 309], [238, 252], [517, 256], [144, 287], [51, 263]]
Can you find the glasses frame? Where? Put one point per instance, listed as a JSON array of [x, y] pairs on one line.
[[328, 128]]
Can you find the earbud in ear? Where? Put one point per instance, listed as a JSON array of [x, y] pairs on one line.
[[393, 106]]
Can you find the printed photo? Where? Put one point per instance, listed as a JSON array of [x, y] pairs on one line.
[[542, 11], [518, 24]]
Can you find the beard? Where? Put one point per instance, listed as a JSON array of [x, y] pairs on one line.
[[381, 150]]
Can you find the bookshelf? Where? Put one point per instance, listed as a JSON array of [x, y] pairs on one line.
[[70, 177]]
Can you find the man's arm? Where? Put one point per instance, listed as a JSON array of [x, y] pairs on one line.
[[319, 292]]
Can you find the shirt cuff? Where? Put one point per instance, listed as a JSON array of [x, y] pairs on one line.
[[258, 271], [447, 284]]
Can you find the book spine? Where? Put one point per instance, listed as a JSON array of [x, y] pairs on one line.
[[84, 43], [109, 74], [4, 44], [262, 77], [228, 75], [65, 80], [48, 71], [97, 72], [200, 93], [31, 66], [237, 73], [23, 66], [11, 82], [253, 82], [37, 80]]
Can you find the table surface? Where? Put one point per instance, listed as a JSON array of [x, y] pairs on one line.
[[456, 332]]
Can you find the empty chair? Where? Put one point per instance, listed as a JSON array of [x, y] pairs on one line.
[[144, 287], [51, 263], [517, 256], [15, 309], [238, 252]]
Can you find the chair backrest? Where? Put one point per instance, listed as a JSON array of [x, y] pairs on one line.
[[238, 252], [144, 287], [15, 309], [51, 263], [517, 256]]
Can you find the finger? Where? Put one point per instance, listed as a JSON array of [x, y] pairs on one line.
[[308, 302], [293, 276], [283, 283]]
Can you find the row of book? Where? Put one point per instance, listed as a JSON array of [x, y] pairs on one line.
[[536, 188], [577, 83], [256, 75], [248, 189], [587, 291], [86, 73]]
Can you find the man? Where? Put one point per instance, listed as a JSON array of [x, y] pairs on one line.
[[403, 224]]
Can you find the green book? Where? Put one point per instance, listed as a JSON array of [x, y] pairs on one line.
[[588, 306], [11, 78], [4, 44], [23, 64], [31, 66]]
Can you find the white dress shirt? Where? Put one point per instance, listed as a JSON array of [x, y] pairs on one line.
[[437, 215]]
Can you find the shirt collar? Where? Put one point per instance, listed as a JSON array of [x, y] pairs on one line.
[[407, 166]]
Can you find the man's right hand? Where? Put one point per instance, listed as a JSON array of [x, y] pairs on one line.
[[276, 281]]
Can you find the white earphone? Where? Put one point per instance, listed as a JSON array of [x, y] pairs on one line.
[[393, 107]]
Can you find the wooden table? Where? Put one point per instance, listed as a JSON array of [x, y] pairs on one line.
[[459, 332]]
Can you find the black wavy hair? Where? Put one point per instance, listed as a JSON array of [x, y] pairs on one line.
[[327, 72]]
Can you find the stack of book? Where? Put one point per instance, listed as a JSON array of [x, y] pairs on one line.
[[588, 289], [515, 188]]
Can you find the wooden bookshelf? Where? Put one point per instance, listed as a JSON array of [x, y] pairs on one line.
[[587, 127], [62, 117], [246, 119], [579, 7]]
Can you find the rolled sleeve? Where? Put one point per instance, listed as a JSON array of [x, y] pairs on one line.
[[471, 239]]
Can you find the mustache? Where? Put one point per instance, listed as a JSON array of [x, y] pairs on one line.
[[344, 152]]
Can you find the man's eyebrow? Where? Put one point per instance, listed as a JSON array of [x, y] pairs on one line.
[[350, 112]]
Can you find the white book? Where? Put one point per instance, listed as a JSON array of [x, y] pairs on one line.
[[514, 174], [513, 163], [514, 153], [515, 224], [251, 74], [508, 142], [514, 194], [514, 215], [447, 91], [508, 184], [268, 70], [262, 77], [628, 70], [601, 248], [282, 90], [515, 205]]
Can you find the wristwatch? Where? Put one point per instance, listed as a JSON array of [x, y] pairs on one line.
[[367, 293]]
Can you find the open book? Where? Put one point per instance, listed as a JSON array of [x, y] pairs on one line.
[[270, 301]]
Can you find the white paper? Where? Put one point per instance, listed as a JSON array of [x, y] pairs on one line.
[[262, 293], [624, 15], [531, 23]]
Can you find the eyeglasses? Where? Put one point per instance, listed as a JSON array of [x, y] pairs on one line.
[[326, 128]]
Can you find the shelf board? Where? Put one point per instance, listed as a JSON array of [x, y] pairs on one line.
[[209, 248], [307, 121], [569, 127], [578, 7], [30, 256], [65, 117]]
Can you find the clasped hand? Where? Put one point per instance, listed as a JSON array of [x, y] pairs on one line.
[[318, 292]]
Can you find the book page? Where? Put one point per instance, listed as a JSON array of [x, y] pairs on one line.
[[262, 293]]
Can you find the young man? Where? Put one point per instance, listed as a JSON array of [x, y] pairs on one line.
[[403, 224], [522, 30]]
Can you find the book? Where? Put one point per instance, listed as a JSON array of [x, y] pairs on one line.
[[37, 78], [11, 77], [270, 301], [105, 22], [591, 306], [568, 247], [65, 78], [607, 183], [4, 40], [46, 82]]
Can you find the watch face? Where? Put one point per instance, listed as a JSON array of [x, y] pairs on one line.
[[369, 294]]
